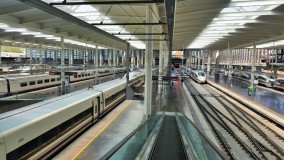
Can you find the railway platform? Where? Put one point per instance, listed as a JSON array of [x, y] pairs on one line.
[[178, 127], [266, 97], [127, 128]]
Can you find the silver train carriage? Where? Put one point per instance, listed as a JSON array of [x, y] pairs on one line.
[[39, 130]]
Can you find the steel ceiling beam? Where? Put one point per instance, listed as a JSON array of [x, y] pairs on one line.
[[127, 24], [107, 2], [139, 34], [58, 13], [170, 6], [145, 39]]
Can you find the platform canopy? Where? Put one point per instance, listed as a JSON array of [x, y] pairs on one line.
[[190, 24]]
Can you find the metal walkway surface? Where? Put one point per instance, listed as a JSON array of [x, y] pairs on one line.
[[169, 144], [166, 135]]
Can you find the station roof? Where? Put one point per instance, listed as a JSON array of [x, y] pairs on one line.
[[196, 24]]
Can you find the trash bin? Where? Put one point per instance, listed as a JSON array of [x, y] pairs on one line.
[[250, 90]]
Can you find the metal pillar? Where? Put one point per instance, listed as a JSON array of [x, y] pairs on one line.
[[70, 57], [142, 58], [113, 58], [63, 80], [148, 64], [0, 54], [40, 54], [132, 60], [85, 58], [203, 60], [197, 59], [31, 59], [209, 61], [101, 58], [96, 59], [117, 57], [169, 58], [123, 58], [109, 57], [229, 60], [127, 64], [138, 59], [160, 67], [253, 63]]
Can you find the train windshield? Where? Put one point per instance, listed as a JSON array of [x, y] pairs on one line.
[[201, 74]]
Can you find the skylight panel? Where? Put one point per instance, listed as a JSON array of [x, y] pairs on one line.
[[229, 20], [90, 14]]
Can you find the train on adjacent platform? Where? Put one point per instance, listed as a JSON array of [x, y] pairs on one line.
[[39, 130], [199, 76], [17, 85]]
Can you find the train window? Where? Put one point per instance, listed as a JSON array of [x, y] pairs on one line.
[[86, 74], [79, 76], [89, 74], [39, 81], [52, 79], [32, 83], [24, 84], [46, 80], [83, 75], [58, 79], [38, 143], [113, 97], [75, 76]]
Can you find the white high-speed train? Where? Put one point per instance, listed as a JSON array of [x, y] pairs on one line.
[[39, 130], [10, 85], [199, 76]]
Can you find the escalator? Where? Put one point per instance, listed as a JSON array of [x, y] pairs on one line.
[[166, 135], [169, 143]]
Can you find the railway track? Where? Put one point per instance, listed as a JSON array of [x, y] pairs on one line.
[[241, 135]]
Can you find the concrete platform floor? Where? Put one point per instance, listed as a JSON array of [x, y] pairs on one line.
[[108, 132], [265, 96]]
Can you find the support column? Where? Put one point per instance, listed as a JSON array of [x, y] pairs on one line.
[[113, 58], [123, 62], [85, 54], [97, 64], [101, 58], [160, 81], [40, 54], [117, 57], [197, 59], [253, 63], [209, 61], [169, 58], [31, 60], [148, 64], [203, 60], [0, 54], [127, 64], [55, 56], [109, 57], [63, 80], [137, 59], [142, 58], [94, 57], [132, 60], [70, 57], [229, 60]]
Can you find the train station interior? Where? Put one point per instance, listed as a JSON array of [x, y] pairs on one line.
[[141, 79]]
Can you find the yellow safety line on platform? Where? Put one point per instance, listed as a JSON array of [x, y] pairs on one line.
[[97, 135]]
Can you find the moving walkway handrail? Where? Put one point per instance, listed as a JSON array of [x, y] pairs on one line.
[[110, 153], [214, 147]]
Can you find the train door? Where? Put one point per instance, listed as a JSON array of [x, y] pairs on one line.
[[98, 107]]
